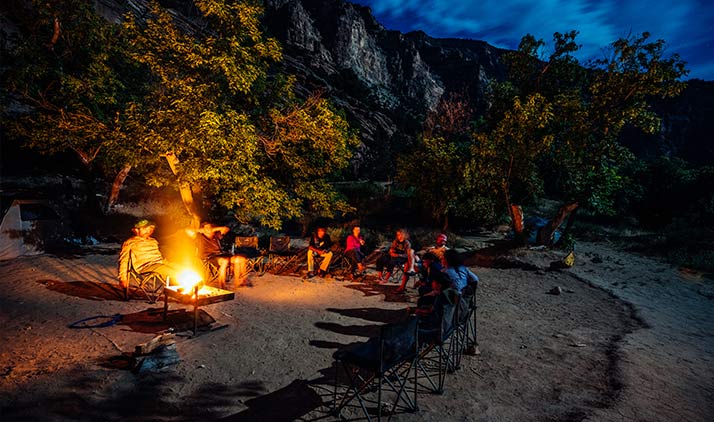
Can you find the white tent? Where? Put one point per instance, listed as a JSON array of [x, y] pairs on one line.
[[21, 228]]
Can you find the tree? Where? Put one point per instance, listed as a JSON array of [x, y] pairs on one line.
[[435, 169], [207, 111], [592, 104], [68, 67], [505, 159]]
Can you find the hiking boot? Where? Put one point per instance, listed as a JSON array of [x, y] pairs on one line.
[[311, 274], [321, 273]]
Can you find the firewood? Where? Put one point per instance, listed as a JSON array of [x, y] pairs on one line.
[[151, 345]]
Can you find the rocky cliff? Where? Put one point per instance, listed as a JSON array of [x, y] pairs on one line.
[[386, 81]]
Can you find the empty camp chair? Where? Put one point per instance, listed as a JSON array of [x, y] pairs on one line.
[[280, 255], [384, 361], [150, 283], [436, 334], [467, 324], [247, 246]]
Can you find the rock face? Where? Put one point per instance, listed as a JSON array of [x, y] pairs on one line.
[[386, 81]]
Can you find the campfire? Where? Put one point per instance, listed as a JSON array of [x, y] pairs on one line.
[[190, 290], [188, 281]]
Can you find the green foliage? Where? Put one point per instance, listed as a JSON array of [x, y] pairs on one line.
[[151, 88], [70, 67], [435, 170], [504, 159], [575, 152]]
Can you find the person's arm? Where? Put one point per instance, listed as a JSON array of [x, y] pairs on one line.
[[313, 244], [471, 277], [328, 243], [221, 229], [392, 250]]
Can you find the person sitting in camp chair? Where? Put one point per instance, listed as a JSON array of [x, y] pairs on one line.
[[430, 306], [142, 251], [430, 269], [208, 243], [353, 249], [457, 272], [320, 244], [439, 248], [400, 253]]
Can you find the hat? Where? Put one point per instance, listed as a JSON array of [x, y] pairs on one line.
[[441, 238], [143, 223]]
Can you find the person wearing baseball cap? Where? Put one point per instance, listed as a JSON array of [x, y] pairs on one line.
[[143, 252], [440, 248]]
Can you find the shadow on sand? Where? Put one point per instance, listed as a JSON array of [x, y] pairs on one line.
[[85, 289]]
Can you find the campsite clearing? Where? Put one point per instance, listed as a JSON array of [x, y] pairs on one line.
[[581, 355]]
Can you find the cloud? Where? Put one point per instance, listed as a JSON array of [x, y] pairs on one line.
[[686, 25]]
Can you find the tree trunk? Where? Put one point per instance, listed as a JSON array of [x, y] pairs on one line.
[[445, 226], [516, 212], [568, 226], [545, 234], [185, 191], [116, 186]]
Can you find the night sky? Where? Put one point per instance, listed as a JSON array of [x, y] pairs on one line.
[[686, 25]]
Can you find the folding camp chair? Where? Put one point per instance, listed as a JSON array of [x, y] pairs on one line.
[[281, 256], [210, 270], [467, 324], [437, 354], [342, 267], [387, 360], [150, 283], [247, 246]]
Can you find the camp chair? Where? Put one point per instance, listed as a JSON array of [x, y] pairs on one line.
[[382, 361], [467, 323], [341, 266], [280, 255], [247, 246], [437, 354], [150, 283], [210, 270]]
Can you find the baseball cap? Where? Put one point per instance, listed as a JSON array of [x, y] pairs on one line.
[[143, 223]]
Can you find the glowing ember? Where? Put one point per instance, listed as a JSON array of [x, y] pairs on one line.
[[188, 279]]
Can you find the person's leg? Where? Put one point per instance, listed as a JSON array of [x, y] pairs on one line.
[[325, 265], [411, 261], [222, 269], [382, 262], [310, 261], [167, 270], [359, 256], [240, 270]]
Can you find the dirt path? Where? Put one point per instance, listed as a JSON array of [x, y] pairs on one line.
[[576, 356]]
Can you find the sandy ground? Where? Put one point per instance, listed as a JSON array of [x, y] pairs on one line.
[[630, 338]]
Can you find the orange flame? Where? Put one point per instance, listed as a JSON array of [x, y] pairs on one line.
[[188, 279]]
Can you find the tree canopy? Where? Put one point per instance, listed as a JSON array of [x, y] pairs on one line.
[[195, 102], [551, 129]]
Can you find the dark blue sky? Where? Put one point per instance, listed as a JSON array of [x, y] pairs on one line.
[[686, 25]]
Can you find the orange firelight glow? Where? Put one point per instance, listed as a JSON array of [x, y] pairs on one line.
[[188, 279]]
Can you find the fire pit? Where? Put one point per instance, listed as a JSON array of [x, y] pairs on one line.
[[191, 292]]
